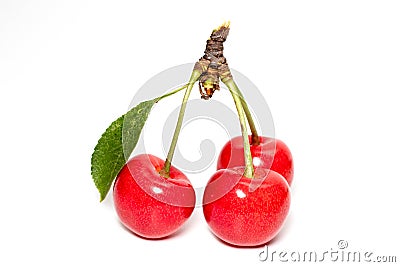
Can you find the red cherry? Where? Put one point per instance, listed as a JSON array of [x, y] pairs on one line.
[[149, 204], [243, 211], [269, 154]]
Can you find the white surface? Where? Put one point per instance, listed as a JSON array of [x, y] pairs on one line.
[[329, 71]]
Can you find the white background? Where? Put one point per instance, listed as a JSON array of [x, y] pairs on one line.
[[328, 69]]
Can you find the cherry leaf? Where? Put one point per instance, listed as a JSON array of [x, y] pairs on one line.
[[116, 145]]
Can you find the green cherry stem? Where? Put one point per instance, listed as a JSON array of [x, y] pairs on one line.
[[255, 140], [194, 77], [254, 135], [226, 77], [238, 99], [172, 92]]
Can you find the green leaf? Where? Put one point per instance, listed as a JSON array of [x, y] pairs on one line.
[[116, 145]]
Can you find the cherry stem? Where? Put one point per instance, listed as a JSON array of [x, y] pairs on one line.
[[194, 77], [255, 140], [238, 99], [172, 92]]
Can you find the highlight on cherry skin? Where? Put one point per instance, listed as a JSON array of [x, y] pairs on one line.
[[270, 153], [244, 214], [149, 204]]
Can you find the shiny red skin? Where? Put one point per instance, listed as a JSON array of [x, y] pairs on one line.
[[273, 154], [148, 204], [241, 216]]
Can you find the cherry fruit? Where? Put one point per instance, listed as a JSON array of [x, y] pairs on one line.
[[270, 153], [149, 204], [243, 211]]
